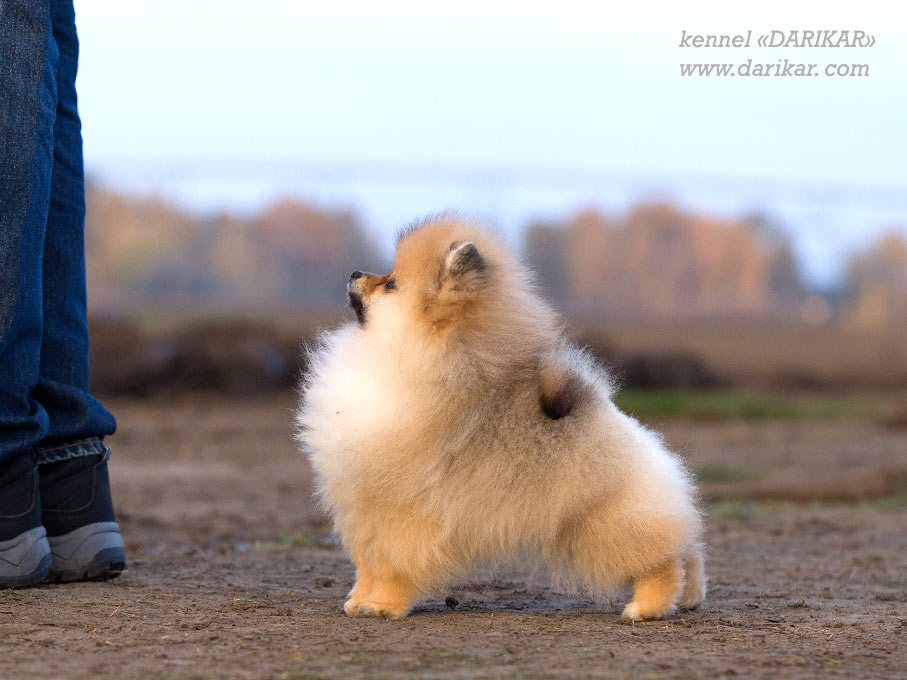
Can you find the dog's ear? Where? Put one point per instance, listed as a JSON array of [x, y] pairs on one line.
[[464, 265]]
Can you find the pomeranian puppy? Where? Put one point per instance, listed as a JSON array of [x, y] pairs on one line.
[[452, 426]]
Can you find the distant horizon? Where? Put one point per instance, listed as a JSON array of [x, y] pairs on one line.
[[511, 198]]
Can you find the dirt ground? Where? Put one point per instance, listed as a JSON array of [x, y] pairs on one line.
[[233, 572]]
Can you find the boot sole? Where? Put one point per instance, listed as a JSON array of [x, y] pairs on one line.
[[91, 553], [25, 560]]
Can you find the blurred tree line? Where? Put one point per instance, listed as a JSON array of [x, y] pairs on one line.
[[145, 252], [656, 263], [662, 263]]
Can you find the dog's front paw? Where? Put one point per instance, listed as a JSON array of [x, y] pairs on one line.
[[642, 611], [387, 610]]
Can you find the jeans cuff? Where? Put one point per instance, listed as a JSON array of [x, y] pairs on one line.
[[59, 452]]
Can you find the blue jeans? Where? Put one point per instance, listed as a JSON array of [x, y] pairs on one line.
[[45, 406]]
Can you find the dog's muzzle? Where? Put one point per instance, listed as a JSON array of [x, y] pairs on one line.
[[355, 297]]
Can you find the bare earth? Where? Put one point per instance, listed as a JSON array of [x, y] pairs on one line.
[[233, 572]]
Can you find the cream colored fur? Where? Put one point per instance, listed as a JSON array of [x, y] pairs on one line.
[[433, 454]]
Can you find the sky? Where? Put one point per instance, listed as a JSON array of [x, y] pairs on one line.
[[511, 111]]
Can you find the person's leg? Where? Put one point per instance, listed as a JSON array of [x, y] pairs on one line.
[[27, 112], [75, 492], [62, 389]]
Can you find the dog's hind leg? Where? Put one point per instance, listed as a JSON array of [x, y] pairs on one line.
[[655, 592], [365, 581], [694, 579]]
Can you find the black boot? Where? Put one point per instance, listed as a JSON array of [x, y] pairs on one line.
[[77, 511], [24, 552]]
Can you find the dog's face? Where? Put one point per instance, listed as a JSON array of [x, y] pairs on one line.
[[438, 272]]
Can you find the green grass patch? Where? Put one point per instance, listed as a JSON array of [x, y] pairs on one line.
[[302, 538], [714, 473], [893, 503], [733, 510], [746, 509], [730, 405]]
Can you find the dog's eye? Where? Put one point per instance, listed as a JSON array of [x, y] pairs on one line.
[[391, 284]]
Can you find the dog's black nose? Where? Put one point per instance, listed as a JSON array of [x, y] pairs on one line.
[[356, 274]]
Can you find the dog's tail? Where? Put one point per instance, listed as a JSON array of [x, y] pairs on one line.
[[568, 376]]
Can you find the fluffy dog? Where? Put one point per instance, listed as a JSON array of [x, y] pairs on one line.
[[453, 426]]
